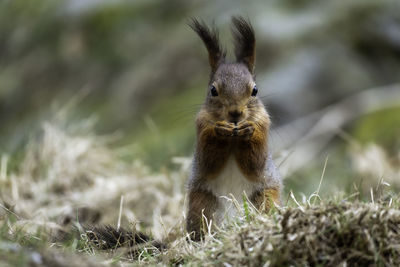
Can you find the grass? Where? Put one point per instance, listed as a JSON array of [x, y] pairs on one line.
[[70, 178], [328, 234]]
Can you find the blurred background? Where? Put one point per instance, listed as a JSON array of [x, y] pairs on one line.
[[327, 71]]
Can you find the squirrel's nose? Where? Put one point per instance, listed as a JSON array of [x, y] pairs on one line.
[[235, 115]]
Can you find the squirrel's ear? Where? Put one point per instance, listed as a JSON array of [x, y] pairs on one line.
[[245, 42], [210, 38]]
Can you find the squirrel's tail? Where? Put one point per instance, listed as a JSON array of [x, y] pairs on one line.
[[107, 237]]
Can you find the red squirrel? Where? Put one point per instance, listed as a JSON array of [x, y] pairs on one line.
[[231, 156]]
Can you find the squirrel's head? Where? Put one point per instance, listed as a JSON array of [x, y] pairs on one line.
[[232, 91]]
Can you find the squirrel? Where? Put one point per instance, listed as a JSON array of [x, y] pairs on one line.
[[231, 155]]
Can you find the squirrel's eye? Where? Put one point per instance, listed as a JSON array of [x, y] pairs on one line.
[[255, 91], [214, 91]]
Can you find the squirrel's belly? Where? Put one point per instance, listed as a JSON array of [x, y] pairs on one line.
[[230, 182]]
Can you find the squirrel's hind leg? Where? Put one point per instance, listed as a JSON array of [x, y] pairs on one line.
[[201, 203], [266, 199]]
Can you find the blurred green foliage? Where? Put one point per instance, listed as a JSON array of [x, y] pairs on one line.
[[381, 127], [49, 54]]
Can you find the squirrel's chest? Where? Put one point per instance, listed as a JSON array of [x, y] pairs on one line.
[[231, 181]]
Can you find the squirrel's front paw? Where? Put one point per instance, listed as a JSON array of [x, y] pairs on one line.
[[223, 128], [245, 129]]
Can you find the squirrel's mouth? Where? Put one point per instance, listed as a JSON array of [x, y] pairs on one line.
[[236, 120], [235, 116]]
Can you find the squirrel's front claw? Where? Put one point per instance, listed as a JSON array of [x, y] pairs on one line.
[[223, 131], [223, 128], [245, 129], [235, 131]]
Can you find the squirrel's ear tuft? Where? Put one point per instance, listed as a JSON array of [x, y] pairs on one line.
[[245, 42], [211, 40]]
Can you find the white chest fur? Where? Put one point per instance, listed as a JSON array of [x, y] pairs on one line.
[[230, 181]]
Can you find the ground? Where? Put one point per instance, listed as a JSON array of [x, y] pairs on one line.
[[69, 179]]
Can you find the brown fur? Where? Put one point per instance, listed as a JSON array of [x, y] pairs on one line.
[[232, 123], [201, 203], [265, 199]]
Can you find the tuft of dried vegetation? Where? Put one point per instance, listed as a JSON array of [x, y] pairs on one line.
[[70, 179], [328, 234]]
